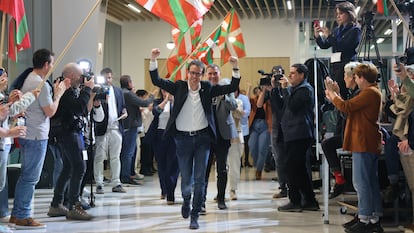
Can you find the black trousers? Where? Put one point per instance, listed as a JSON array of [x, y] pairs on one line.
[[71, 146], [329, 147], [220, 151], [299, 181]]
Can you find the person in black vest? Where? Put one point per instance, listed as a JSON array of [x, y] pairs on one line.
[[109, 136]]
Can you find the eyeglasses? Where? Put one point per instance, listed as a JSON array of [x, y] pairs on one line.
[[197, 74]]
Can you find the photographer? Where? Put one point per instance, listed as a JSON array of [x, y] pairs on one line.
[[278, 147], [73, 106]]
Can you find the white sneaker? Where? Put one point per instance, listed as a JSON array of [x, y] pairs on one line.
[[5, 219]]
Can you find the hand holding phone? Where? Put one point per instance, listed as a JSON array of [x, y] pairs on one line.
[[397, 62], [316, 23]]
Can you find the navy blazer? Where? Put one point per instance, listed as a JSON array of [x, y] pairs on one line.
[[179, 90], [101, 127]]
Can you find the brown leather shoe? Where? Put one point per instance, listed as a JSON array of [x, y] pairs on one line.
[[258, 175]]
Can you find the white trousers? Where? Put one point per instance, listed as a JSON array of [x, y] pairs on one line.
[[233, 163], [108, 146]]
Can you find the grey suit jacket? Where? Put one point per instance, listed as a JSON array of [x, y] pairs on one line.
[[225, 122]]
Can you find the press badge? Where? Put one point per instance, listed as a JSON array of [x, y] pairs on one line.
[[336, 57], [85, 155]]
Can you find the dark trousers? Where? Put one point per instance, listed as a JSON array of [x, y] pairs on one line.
[[129, 143], [329, 147], [299, 181], [392, 158], [88, 177], [337, 72], [246, 150], [220, 151], [165, 154], [71, 146], [147, 157]]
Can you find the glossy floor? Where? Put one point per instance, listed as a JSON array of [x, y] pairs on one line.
[[142, 210]]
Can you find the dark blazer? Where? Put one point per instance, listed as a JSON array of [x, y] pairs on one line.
[[133, 103], [345, 41], [101, 127], [179, 90]]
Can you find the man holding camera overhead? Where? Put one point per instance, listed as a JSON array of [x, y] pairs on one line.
[[109, 135], [69, 135]]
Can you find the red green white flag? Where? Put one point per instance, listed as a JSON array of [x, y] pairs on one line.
[[19, 38], [185, 43], [382, 7], [233, 42], [179, 13]]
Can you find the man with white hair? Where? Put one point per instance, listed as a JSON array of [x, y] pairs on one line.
[[226, 130]]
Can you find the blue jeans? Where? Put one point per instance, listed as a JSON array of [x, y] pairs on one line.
[[32, 153], [4, 193], [259, 142], [129, 143], [365, 179], [192, 153], [4, 157]]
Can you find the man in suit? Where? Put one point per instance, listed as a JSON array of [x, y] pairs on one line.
[[193, 127], [109, 136], [225, 130]]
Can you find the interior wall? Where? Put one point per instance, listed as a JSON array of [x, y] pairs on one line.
[[268, 38]]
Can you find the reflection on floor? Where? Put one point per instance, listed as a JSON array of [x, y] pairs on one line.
[[141, 210]]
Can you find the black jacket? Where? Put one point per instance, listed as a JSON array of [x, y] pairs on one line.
[[179, 90]]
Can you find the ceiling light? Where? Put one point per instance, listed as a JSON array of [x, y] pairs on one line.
[[398, 22], [134, 8], [388, 32], [289, 5], [170, 45], [380, 40]]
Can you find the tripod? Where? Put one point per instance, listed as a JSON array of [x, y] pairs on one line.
[[368, 39]]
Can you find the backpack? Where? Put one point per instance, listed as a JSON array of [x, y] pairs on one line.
[[19, 81]]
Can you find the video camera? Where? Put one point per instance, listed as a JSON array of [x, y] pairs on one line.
[[277, 73]]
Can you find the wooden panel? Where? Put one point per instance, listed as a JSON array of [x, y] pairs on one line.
[[248, 69]]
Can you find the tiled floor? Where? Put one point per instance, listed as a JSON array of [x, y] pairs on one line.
[[141, 210]]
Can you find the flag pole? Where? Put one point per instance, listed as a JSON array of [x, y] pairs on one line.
[[3, 26], [198, 46], [69, 44]]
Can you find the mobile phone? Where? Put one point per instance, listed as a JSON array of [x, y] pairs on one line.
[[316, 23], [397, 62], [1, 71]]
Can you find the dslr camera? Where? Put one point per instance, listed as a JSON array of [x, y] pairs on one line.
[[102, 88]]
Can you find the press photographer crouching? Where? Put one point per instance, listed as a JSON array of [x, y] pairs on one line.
[[73, 106]]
